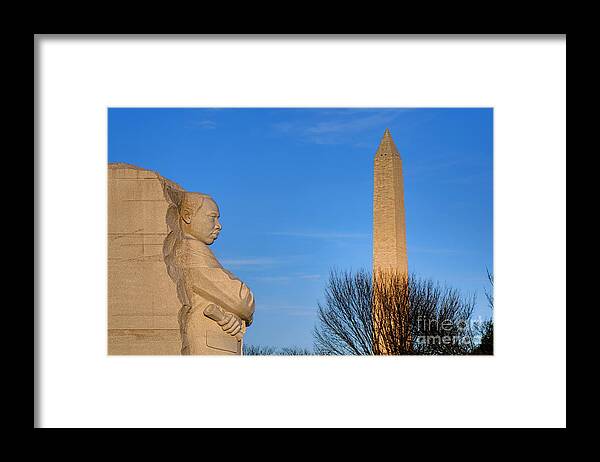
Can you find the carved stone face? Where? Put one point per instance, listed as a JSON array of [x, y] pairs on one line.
[[203, 223]]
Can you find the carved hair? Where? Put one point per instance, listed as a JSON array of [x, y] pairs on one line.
[[179, 202]]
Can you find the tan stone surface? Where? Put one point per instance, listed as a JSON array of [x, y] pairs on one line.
[[142, 299], [389, 226], [167, 293]]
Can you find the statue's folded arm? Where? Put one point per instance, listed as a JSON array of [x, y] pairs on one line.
[[218, 286]]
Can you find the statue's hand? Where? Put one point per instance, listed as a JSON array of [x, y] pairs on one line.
[[231, 324]]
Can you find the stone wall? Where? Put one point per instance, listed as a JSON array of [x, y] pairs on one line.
[[142, 299]]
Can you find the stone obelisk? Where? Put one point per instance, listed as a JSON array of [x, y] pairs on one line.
[[389, 225], [390, 261]]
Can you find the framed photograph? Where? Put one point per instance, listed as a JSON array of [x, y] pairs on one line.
[[294, 221]]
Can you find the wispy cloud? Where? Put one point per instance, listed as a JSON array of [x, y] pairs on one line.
[[352, 124], [289, 310], [272, 278], [286, 278], [205, 124], [310, 276], [339, 126], [321, 235], [259, 261]]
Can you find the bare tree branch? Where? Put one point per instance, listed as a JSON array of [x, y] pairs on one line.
[[392, 314]]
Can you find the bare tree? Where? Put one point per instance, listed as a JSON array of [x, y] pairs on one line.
[[294, 351], [440, 318], [392, 314], [486, 329], [489, 293], [345, 321], [258, 350]]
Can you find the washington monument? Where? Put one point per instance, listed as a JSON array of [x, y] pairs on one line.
[[389, 226], [389, 241]]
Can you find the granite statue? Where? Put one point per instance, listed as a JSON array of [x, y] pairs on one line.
[[216, 306]]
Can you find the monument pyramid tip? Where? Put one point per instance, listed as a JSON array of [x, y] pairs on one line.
[[387, 145], [387, 135]]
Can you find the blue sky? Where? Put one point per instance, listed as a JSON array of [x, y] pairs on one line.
[[295, 186]]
